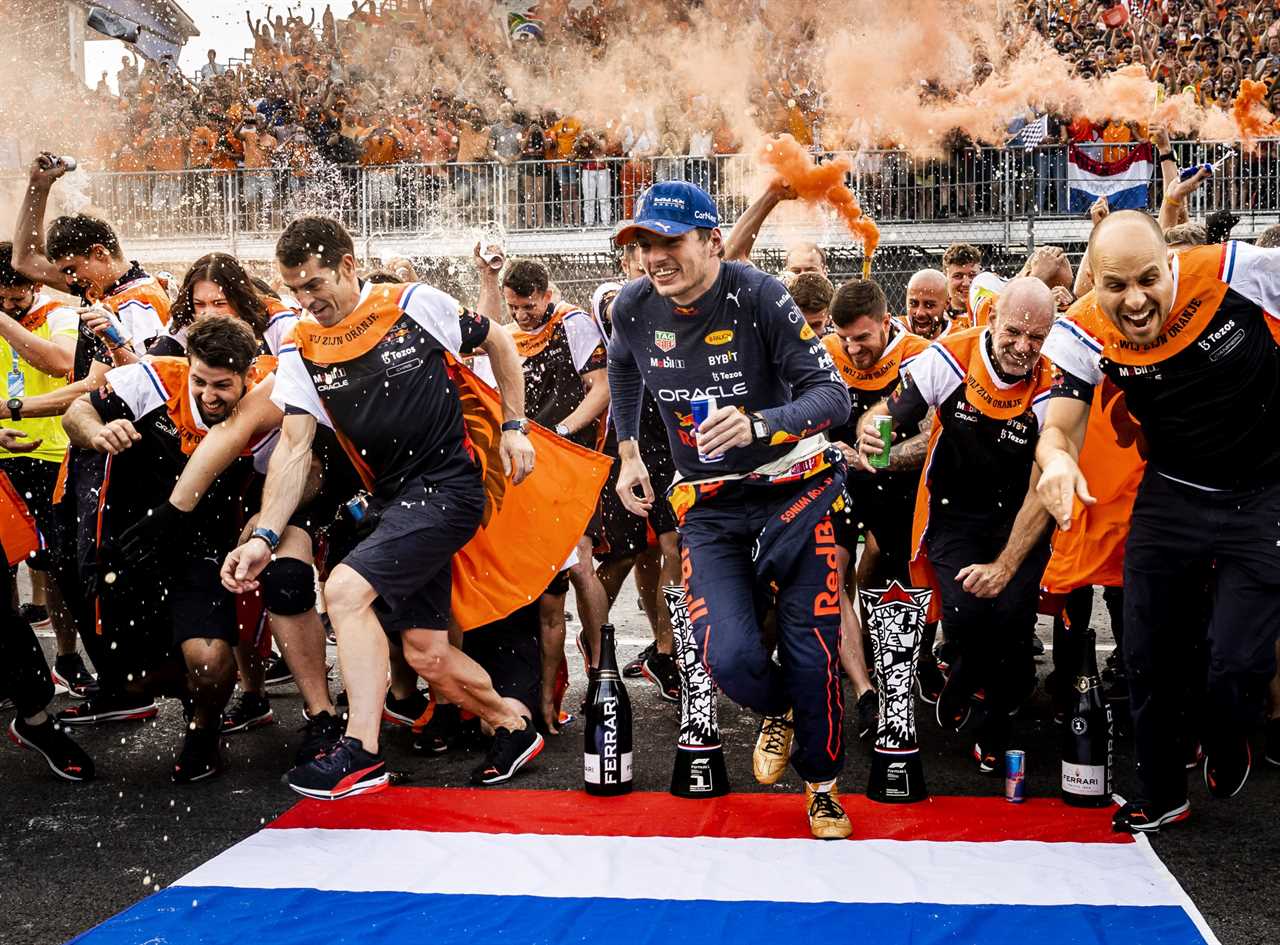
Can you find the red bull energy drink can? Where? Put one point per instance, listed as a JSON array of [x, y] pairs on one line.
[[700, 409], [1015, 773]]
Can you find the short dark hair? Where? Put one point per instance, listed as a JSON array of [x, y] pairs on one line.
[[526, 277], [10, 278], [811, 291], [77, 235], [1268, 238], [227, 274], [306, 237], [382, 277], [961, 254], [223, 341], [856, 299]]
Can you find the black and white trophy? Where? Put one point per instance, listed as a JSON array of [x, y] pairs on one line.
[[699, 769], [895, 620]]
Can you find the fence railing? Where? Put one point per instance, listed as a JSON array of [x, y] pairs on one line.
[[974, 184]]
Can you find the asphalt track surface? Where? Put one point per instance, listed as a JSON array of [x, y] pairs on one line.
[[73, 855]]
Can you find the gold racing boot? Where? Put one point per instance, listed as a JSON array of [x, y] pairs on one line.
[[773, 748], [827, 819]]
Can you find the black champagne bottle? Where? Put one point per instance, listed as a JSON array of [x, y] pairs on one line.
[[606, 759], [1087, 739]]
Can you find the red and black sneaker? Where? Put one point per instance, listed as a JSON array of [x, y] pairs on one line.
[[404, 712], [1145, 817], [70, 673], [199, 759], [65, 758], [109, 708], [344, 771], [510, 751], [1227, 762]]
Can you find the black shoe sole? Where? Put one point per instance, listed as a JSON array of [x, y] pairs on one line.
[[26, 743]]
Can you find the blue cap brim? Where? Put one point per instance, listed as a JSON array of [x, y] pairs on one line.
[[628, 234]]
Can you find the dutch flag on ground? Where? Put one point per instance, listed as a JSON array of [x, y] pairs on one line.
[[1125, 183], [477, 867]]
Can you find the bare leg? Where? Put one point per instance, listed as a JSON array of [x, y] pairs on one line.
[[210, 678], [612, 573], [593, 603], [251, 668], [458, 678], [362, 652], [551, 636], [64, 625], [853, 658]]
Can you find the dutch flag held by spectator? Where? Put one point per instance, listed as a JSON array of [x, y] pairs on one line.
[[462, 867], [1125, 183]]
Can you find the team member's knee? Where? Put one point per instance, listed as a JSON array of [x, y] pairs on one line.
[[345, 592], [428, 655], [288, 587]]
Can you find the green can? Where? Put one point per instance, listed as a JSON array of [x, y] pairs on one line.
[[884, 426]]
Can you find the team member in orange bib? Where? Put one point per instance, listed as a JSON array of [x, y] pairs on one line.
[[1190, 341], [377, 365], [980, 529]]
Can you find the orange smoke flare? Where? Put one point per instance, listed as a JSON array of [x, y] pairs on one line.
[[822, 182], [1253, 119]]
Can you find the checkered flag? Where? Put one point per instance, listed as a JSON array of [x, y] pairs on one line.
[[1031, 134]]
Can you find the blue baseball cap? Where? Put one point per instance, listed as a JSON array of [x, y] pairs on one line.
[[670, 208]]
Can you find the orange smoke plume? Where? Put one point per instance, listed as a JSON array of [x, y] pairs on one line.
[[816, 183], [1252, 118]]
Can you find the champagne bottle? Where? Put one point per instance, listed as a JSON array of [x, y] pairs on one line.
[[1087, 739], [606, 758]]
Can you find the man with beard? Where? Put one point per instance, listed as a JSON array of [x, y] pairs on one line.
[[927, 305], [961, 264], [979, 537], [146, 421], [1190, 341]]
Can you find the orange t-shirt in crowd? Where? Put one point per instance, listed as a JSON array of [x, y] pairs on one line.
[[130, 159], [382, 147], [473, 145], [1116, 133], [257, 148], [565, 133], [166, 153], [200, 146]]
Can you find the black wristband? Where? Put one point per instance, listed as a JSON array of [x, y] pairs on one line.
[[1167, 156]]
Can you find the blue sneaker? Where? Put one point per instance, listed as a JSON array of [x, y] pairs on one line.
[[344, 771]]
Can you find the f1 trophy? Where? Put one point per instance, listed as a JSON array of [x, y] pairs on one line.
[[699, 769], [895, 619]]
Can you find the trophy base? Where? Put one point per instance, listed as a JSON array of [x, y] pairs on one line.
[[897, 777], [699, 772]]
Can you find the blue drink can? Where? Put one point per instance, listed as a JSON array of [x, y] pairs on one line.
[[700, 409], [1015, 773]]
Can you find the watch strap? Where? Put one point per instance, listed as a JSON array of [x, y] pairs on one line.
[[1167, 156], [520, 426], [267, 535]]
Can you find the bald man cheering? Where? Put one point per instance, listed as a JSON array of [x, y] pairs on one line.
[[1190, 342], [927, 305], [979, 536]]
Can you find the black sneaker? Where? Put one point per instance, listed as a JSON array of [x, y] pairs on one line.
[[34, 614], [65, 758], [345, 770], [441, 732], [989, 759], [109, 708], [633, 669], [1226, 766], [1037, 645], [955, 702], [509, 752], [71, 674], [404, 712], [319, 735], [251, 710], [278, 673], [1145, 817], [199, 759], [1272, 753], [929, 680], [660, 669], [867, 711]]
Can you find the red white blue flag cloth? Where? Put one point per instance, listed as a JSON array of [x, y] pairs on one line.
[[476, 867], [1125, 183]]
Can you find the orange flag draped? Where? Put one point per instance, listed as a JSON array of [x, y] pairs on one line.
[[17, 527]]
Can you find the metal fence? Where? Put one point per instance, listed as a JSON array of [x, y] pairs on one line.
[[971, 184]]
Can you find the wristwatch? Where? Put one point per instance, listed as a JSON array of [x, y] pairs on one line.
[[759, 429], [562, 430], [267, 535], [15, 408], [520, 426], [1167, 156]]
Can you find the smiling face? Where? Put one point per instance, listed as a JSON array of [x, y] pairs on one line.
[[1132, 279], [926, 302], [1024, 313], [864, 340], [328, 294], [208, 298], [216, 390], [16, 300], [682, 268], [91, 274], [528, 311], [959, 277]]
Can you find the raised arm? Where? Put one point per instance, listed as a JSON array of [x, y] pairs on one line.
[[743, 236], [28, 238]]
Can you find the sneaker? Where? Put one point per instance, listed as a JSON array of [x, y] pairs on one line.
[[660, 669], [319, 735], [988, 759], [278, 673], [1144, 817], [65, 758], [404, 712], [773, 747], [34, 614], [70, 673], [1037, 646], [954, 706], [108, 708], [867, 711], [1226, 766], [632, 670], [1195, 755], [827, 819], [1272, 753], [929, 681], [441, 732], [251, 710], [199, 758], [509, 752], [345, 770]]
